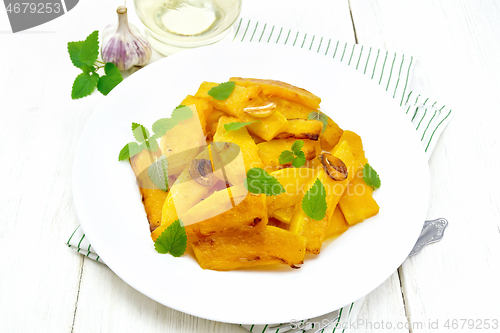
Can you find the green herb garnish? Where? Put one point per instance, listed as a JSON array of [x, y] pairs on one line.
[[236, 125], [316, 115], [258, 181], [371, 177], [160, 127], [84, 55], [295, 155], [222, 91], [172, 240], [158, 173], [314, 202]]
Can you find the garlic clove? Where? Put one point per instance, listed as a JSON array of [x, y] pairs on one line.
[[123, 44], [262, 110]]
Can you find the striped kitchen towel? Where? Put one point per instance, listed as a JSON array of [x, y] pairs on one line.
[[390, 70]]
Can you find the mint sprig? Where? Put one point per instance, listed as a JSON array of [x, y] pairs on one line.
[[83, 55], [237, 125], [314, 201], [371, 177], [158, 173], [222, 91], [317, 115], [160, 127], [296, 156], [258, 181], [172, 240]]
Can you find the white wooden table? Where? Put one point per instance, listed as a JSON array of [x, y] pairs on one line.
[[45, 287]]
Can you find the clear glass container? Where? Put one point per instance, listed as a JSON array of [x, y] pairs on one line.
[[176, 25]]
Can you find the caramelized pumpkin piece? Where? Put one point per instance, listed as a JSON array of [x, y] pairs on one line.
[[357, 203], [302, 129], [331, 135], [356, 145], [153, 200], [294, 181], [291, 110], [240, 98], [315, 231], [251, 210], [283, 214], [247, 247], [338, 225], [281, 89], [242, 139], [203, 107]]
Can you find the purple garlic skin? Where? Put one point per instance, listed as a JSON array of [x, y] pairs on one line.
[[123, 44]]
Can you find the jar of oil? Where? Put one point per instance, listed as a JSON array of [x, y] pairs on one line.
[[176, 25]]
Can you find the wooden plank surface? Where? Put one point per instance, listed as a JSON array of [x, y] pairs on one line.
[[47, 288], [456, 44]]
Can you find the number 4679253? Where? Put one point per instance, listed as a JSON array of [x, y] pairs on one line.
[[31, 7]]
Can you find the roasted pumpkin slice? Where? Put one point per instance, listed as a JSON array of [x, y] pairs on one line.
[[270, 151], [181, 144], [242, 139], [203, 107], [266, 128], [247, 247], [331, 135], [357, 203], [240, 98], [291, 110], [153, 200], [356, 145], [302, 129], [281, 89], [284, 214], [294, 181], [338, 225]]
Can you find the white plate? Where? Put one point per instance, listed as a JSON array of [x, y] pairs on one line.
[[109, 207]]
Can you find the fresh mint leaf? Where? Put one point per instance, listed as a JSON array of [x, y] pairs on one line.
[[286, 156], [300, 160], [163, 125], [158, 173], [236, 125], [314, 201], [258, 181], [181, 113], [371, 177], [84, 85], [130, 149], [74, 50], [140, 132], [222, 91], [296, 155], [172, 240], [112, 78], [297, 146], [317, 115], [151, 144], [90, 49]]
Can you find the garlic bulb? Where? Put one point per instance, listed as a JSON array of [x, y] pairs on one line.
[[123, 44]]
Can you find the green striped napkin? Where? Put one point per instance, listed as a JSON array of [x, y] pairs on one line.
[[390, 70]]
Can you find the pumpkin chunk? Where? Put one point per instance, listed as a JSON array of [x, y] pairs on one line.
[[315, 231], [302, 129], [357, 203], [338, 224], [356, 145], [203, 107], [331, 135], [281, 89], [247, 247], [294, 181]]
